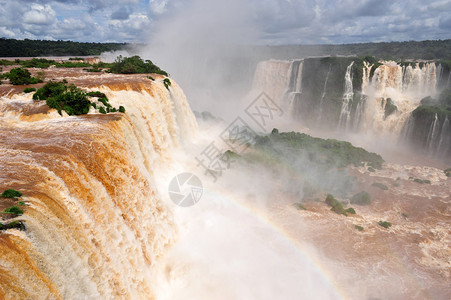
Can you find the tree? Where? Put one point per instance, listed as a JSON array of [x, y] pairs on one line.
[[19, 76]]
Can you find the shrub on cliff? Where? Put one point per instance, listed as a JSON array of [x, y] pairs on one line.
[[29, 90], [167, 83], [73, 102], [50, 89], [13, 225], [335, 205], [362, 198], [13, 210], [389, 108], [384, 224], [20, 76], [11, 193], [134, 65], [380, 185], [37, 63], [330, 152], [358, 227], [71, 99]]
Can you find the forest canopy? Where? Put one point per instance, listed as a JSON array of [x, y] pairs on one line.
[[35, 48], [431, 49]]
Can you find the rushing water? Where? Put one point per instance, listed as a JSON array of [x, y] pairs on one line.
[[95, 223]]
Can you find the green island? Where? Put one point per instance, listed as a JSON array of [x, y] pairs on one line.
[[318, 165], [73, 100]]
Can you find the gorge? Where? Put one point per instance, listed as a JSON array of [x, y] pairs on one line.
[[99, 223]]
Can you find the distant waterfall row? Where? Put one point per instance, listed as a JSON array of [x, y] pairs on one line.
[[353, 94]]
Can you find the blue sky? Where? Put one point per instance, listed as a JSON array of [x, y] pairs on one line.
[[271, 22]]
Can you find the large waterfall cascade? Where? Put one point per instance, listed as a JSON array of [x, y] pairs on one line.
[[95, 222], [381, 104]]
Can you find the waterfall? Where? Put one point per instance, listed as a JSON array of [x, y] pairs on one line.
[[404, 84], [445, 137], [95, 221], [294, 86], [407, 129], [366, 76], [432, 136], [348, 94], [320, 114], [272, 77], [359, 112]]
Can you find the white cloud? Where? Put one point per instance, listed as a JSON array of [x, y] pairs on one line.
[[275, 21], [40, 15], [158, 6], [5, 32]]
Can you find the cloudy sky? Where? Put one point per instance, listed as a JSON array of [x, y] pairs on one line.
[[270, 21]]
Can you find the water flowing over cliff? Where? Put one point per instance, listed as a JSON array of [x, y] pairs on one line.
[[357, 94], [94, 219]]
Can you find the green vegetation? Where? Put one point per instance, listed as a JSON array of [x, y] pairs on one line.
[[431, 49], [335, 205], [328, 152], [35, 48], [300, 206], [134, 65], [384, 224], [167, 83], [37, 63], [96, 94], [229, 155], [358, 227], [13, 225], [404, 215], [93, 70], [151, 78], [448, 172], [351, 211], [361, 198], [21, 203], [420, 181], [6, 62], [20, 76], [319, 164], [67, 64], [13, 210], [50, 89], [29, 90], [206, 116], [389, 108], [71, 99], [121, 109], [371, 169], [380, 185], [11, 193]]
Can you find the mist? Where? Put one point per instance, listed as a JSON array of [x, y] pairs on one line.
[[205, 46], [247, 238]]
